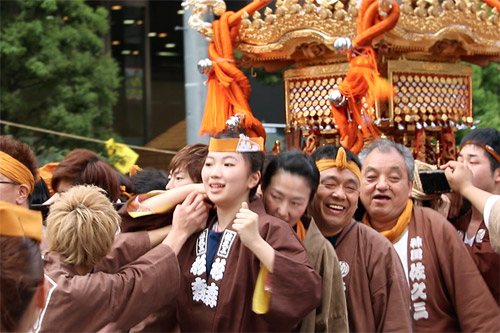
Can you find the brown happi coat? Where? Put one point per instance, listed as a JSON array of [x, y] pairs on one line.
[[481, 251], [115, 300], [165, 319], [447, 291], [227, 303], [331, 316], [376, 291]]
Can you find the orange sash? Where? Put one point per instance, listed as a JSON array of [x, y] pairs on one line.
[[301, 230], [17, 221], [400, 227]]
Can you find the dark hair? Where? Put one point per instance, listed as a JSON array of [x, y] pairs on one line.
[[295, 163], [81, 167], [149, 179], [255, 159], [330, 152], [21, 152], [486, 136], [21, 272], [41, 193], [124, 180], [39, 196], [191, 157]]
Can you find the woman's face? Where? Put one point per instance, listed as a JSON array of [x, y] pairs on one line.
[[287, 196], [227, 178]]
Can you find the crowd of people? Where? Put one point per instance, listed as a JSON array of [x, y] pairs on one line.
[[236, 239]]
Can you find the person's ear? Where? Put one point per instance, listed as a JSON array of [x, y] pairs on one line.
[[22, 194], [254, 179], [411, 187], [496, 176]]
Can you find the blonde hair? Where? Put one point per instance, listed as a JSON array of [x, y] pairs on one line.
[[81, 225]]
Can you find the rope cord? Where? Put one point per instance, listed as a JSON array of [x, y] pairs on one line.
[[78, 137]]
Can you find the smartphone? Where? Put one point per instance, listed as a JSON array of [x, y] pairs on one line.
[[434, 182]]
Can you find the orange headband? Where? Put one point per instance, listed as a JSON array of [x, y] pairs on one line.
[[488, 148], [16, 171], [17, 221], [340, 162], [242, 144]]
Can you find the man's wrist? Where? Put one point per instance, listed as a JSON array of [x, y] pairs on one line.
[[466, 189]]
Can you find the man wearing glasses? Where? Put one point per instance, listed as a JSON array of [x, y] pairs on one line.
[[18, 171]]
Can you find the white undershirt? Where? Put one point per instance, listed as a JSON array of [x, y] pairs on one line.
[[401, 247], [469, 241], [488, 206]]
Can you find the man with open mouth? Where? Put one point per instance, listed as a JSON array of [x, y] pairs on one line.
[[447, 293], [375, 290]]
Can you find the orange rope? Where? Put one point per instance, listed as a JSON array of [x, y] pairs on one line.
[[363, 78], [228, 88]]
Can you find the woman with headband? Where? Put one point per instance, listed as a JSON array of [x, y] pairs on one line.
[[289, 184], [247, 271], [21, 268]]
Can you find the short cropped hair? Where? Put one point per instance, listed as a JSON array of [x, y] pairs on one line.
[[385, 146], [21, 152], [149, 179], [191, 158], [296, 163], [81, 225], [83, 166], [486, 136]]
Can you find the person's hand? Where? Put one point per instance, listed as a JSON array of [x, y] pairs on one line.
[[190, 216], [246, 224], [456, 203], [458, 175], [442, 205]]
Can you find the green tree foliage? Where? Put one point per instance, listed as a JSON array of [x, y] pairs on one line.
[[485, 96], [55, 74], [485, 92]]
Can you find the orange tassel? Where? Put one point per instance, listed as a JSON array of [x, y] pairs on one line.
[[228, 88], [493, 4], [363, 78]]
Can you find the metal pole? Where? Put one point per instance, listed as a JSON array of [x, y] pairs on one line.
[[147, 76], [195, 49]]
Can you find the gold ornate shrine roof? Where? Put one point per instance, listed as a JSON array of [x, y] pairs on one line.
[[421, 57], [303, 31]]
